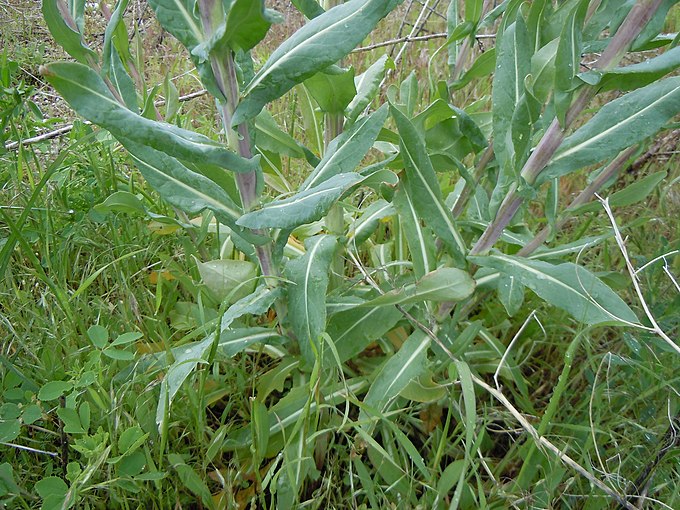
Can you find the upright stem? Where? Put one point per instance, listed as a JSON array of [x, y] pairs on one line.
[[637, 18], [224, 70]]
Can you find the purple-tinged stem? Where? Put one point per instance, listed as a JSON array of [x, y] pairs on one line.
[[637, 18]]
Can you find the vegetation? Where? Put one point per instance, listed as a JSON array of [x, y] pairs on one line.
[[435, 272]]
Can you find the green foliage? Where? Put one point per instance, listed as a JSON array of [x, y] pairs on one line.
[[349, 292]]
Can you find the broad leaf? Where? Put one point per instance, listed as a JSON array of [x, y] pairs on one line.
[[354, 329], [304, 207], [421, 181], [636, 75], [308, 277], [443, 284], [228, 279], [619, 124], [332, 88], [87, 93], [512, 65], [567, 286], [321, 42], [395, 375], [185, 189], [345, 152]]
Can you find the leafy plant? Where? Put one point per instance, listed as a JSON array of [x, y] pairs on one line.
[[315, 277]]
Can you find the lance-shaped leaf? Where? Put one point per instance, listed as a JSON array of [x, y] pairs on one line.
[[121, 80], [87, 93], [397, 372], [568, 59], [512, 66], [228, 279], [636, 75], [111, 29], [187, 190], [423, 186], [443, 284], [567, 286], [510, 294], [365, 225], [64, 28], [346, 151], [270, 137], [303, 207], [237, 340], [320, 43], [619, 124], [367, 85], [418, 237], [354, 329], [308, 277]]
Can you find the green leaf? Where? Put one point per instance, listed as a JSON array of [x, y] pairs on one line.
[[636, 75], [510, 294], [270, 137], [186, 358], [348, 149], [543, 70], [111, 29], [631, 194], [310, 8], [131, 439], [228, 279], [368, 222], [367, 85], [185, 189], [191, 480], [247, 23], [8, 485], [443, 284], [54, 389], [304, 207], [256, 303], [127, 338], [418, 237], [308, 277], [71, 420], [619, 124], [568, 59], [321, 42], [423, 186], [354, 329], [397, 372], [87, 93], [64, 29], [118, 354], [122, 82], [473, 10], [332, 88], [483, 66], [567, 286], [180, 18], [512, 66], [52, 485], [98, 335], [237, 340]]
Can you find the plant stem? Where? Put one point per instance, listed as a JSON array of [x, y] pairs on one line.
[[637, 18], [224, 70], [335, 221]]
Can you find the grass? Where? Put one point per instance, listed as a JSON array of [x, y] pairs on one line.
[[67, 264]]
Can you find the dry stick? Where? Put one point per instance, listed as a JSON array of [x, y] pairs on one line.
[[418, 26], [67, 128], [637, 18], [498, 395]]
